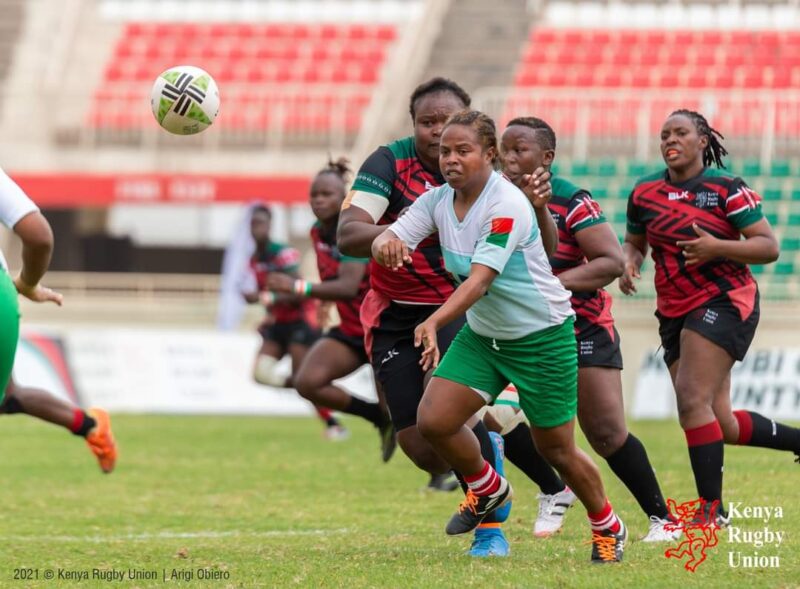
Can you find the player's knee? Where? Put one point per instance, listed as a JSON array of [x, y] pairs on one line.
[[432, 425], [307, 383], [604, 437], [265, 371]]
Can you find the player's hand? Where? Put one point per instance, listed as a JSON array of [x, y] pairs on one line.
[[279, 282], [425, 336], [700, 250], [38, 293], [626, 283], [537, 188], [393, 253]]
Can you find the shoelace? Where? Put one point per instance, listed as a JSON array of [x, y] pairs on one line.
[[470, 502], [606, 546], [545, 504]]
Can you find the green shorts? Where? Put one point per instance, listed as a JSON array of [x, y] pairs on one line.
[[543, 366], [9, 329]]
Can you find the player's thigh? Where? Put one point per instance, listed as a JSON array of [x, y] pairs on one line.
[[446, 406], [327, 360]]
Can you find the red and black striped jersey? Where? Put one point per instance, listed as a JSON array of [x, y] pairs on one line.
[[276, 257], [328, 261], [716, 201], [573, 209], [395, 172]]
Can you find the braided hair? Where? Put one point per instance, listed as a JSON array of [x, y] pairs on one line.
[[339, 167], [483, 126], [714, 151]]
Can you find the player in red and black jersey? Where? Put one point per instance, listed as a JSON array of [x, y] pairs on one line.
[[390, 180], [693, 218], [588, 257], [290, 324], [345, 280]]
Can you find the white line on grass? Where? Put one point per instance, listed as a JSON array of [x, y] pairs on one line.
[[175, 535]]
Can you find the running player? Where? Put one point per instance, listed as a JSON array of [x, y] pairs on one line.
[[19, 213], [389, 181], [520, 329], [289, 326], [587, 259], [345, 280], [694, 217]]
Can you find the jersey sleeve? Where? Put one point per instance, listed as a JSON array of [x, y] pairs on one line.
[[503, 230], [351, 260], [417, 222], [743, 205], [634, 220], [14, 203], [582, 212], [373, 185]]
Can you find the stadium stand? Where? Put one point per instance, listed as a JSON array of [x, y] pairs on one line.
[[294, 78]]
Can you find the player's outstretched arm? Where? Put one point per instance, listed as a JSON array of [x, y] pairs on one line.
[[37, 249], [342, 288]]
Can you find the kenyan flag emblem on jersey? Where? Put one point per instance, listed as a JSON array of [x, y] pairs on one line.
[[501, 228]]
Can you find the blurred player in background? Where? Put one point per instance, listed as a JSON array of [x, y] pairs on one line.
[[345, 280], [588, 258], [389, 181], [520, 329], [19, 213], [694, 217], [290, 324]]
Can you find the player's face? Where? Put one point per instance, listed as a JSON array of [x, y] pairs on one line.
[[521, 154], [327, 194], [681, 146], [431, 113], [259, 226], [463, 161]]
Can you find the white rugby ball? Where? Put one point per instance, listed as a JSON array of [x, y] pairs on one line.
[[185, 100]]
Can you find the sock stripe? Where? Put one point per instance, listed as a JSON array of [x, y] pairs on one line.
[[705, 434], [745, 427], [77, 421]]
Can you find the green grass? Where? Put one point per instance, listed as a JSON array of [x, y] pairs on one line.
[[272, 504]]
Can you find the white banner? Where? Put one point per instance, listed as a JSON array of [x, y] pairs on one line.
[[177, 371], [767, 381]]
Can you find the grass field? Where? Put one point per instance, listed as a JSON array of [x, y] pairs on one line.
[[267, 503]]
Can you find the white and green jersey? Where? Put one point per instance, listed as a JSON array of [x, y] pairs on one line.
[[500, 232]]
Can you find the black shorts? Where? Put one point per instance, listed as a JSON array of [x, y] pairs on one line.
[[285, 334], [355, 343], [597, 347], [718, 321], [390, 331]]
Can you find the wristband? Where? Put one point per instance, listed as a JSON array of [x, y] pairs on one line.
[[267, 298], [302, 287]]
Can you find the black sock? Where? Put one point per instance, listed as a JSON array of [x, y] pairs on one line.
[[631, 465], [757, 430], [369, 411], [522, 453], [487, 451], [706, 453], [86, 424]]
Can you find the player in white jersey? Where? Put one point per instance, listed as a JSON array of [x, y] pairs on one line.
[[519, 329], [19, 213]]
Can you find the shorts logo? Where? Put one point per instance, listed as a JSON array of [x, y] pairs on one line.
[[389, 355], [586, 348], [699, 527], [710, 317]]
